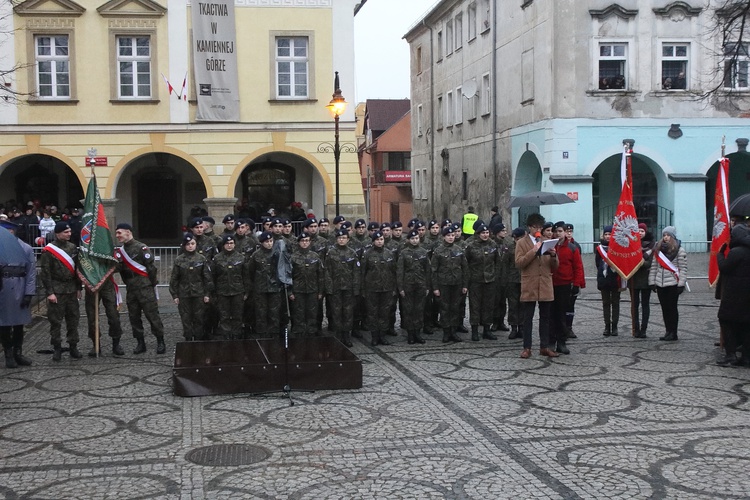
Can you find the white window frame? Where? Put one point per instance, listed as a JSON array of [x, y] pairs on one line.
[[674, 44], [449, 108], [440, 49], [472, 105], [136, 60], [486, 94], [424, 181], [416, 184], [53, 59], [459, 114], [472, 21], [737, 77], [626, 66], [292, 59], [448, 37], [485, 19], [458, 29]]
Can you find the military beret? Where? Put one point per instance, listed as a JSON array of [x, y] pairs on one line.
[[276, 222], [496, 228], [570, 227], [396, 224], [209, 219], [456, 226], [342, 232], [338, 219], [481, 228], [324, 220], [265, 219], [385, 225], [546, 225], [560, 223], [446, 222], [376, 235], [360, 223], [372, 226], [195, 222], [418, 224], [477, 223], [303, 236], [265, 236], [286, 222], [124, 225], [447, 230], [346, 224], [432, 222], [227, 238], [413, 233], [607, 229], [228, 218], [61, 226], [518, 232], [309, 222], [187, 239]]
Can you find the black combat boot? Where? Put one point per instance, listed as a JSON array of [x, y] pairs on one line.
[[607, 329], [410, 337], [116, 347], [502, 327], [161, 347], [140, 347], [614, 330], [514, 333], [382, 339], [446, 335], [10, 359], [487, 334], [74, 352], [21, 360], [374, 338], [417, 338], [56, 352], [455, 337], [346, 339], [475, 333]]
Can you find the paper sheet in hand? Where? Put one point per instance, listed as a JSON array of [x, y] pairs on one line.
[[548, 245]]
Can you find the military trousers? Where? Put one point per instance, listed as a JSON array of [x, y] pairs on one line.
[[108, 299], [66, 309], [268, 313], [230, 316], [501, 302], [342, 309], [413, 309], [513, 294], [192, 314], [451, 299], [143, 301], [559, 309], [379, 307], [305, 314], [481, 303]]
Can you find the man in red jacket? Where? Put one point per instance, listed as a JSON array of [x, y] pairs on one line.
[[569, 274]]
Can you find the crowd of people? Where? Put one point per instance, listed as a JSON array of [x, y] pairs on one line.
[[265, 281]]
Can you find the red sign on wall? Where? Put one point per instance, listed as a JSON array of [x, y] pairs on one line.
[[96, 161], [573, 195], [397, 176]]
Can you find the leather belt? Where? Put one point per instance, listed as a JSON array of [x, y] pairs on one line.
[[13, 272]]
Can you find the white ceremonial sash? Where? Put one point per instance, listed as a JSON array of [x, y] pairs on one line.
[[667, 264], [62, 256], [137, 268]]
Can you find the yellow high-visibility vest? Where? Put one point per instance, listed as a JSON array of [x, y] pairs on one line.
[[468, 226]]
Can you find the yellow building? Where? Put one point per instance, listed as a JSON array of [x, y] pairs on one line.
[[109, 76]]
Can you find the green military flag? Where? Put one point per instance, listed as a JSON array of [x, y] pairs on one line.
[[97, 261]]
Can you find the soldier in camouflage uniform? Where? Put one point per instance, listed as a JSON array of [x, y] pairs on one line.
[[268, 292], [139, 273], [62, 287], [231, 284], [342, 285], [205, 245], [108, 297], [308, 286], [246, 243], [360, 241], [191, 286], [431, 239], [460, 242], [483, 258], [379, 288], [208, 231], [501, 300], [413, 280], [513, 286], [450, 282], [229, 221], [324, 230]]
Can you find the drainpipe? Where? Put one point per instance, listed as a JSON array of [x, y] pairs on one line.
[[431, 135], [493, 82]]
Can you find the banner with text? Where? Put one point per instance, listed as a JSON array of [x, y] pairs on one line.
[[215, 56]]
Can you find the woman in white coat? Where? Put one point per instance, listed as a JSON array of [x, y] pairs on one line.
[[667, 277]]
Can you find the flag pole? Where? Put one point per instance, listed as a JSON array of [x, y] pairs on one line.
[[96, 323], [628, 145]]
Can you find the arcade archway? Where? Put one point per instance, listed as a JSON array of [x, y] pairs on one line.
[[528, 179], [40, 178]]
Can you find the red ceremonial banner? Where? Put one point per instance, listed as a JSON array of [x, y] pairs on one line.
[[720, 231], [625, 255]]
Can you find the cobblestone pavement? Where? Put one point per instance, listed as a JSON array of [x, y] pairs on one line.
[[618, 418]]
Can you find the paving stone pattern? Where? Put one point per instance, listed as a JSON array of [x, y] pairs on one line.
[[618, 418]]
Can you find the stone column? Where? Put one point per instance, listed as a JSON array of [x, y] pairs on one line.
[[110, 211], [219, 207]]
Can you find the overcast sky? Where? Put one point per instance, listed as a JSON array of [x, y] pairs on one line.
[[381, 54]]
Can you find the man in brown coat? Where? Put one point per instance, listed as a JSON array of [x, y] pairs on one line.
[[536, 285]]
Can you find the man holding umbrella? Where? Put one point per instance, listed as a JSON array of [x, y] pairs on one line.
[[17, 288]]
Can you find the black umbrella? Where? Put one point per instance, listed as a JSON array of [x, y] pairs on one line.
[[740, 207], [536, 198]]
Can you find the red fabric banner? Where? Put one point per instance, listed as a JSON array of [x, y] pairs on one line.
[[625, 255], [720, 231]]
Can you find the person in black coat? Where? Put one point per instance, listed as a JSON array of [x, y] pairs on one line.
[[608, 283], [735, 296], [641, 288]]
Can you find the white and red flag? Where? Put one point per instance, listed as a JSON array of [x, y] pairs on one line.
[[624, 253], [720, 231]]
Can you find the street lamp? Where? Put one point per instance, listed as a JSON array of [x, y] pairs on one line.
[[337, 106]]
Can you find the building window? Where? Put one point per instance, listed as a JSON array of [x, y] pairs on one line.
[[464, 185], [449, 109], [471, 109], [674, 66], [736, 65], [419, 59], [440, 45], [472, 21], [458, 26], [416, 184], [53, 66], [134, 66], [423, 187], [398, 161], [613, 65], [292, 58], [486, 95], [484, 13], [419, 120], [439, 112], [459, 106], [448, 38]]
